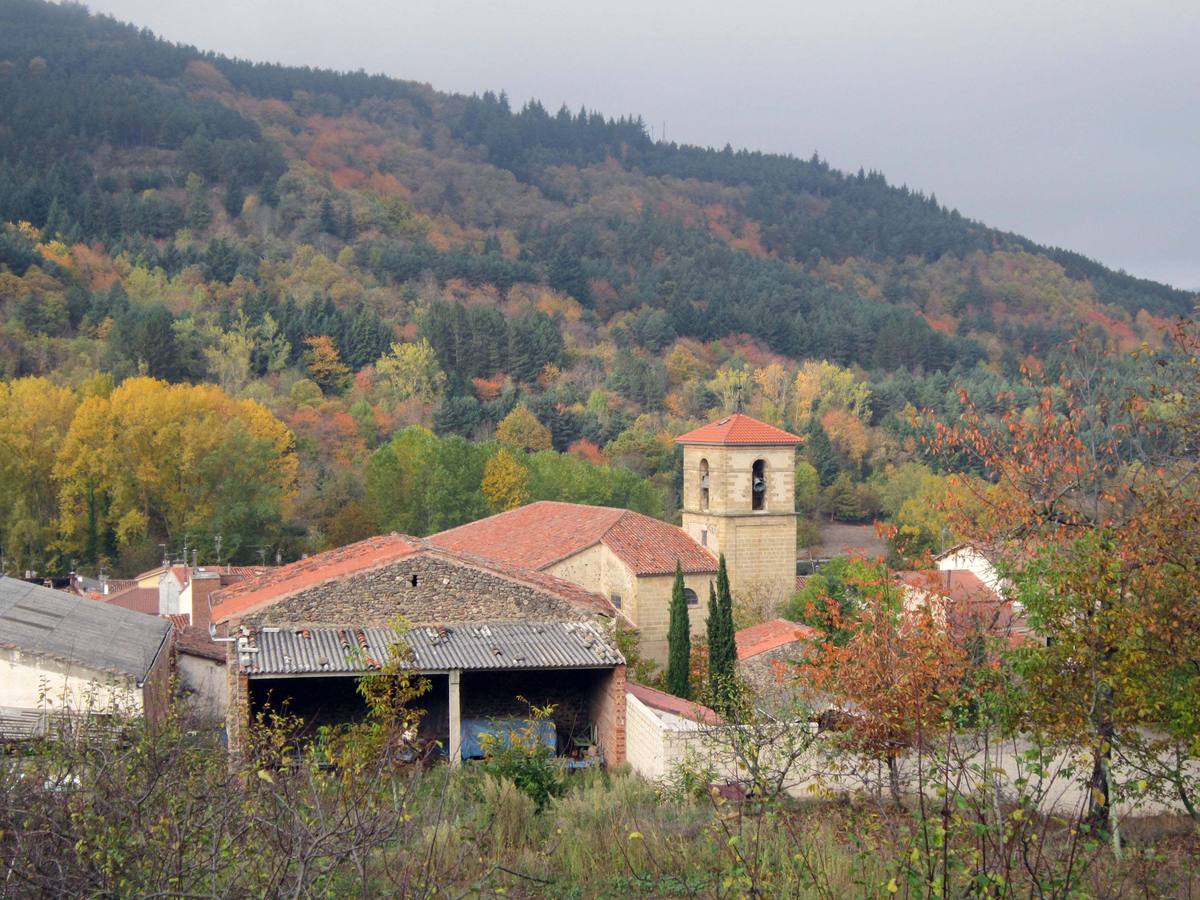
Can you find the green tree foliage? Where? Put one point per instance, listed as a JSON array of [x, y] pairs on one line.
[[722, 645], [679, 640], [418, 483]]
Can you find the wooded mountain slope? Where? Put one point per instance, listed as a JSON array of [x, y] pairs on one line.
[[272, 229]]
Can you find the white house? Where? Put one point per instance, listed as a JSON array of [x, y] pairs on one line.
[[61, 654]]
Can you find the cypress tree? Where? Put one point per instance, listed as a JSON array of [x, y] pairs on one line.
[[679, 640], [722, 646]]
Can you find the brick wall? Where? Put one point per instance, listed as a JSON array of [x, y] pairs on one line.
[[608, 712], [156, 688], [444, 592], [237, 710]]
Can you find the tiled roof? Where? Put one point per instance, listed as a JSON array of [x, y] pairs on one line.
[[314, 570], [195, 641], [541, 534], [101, 636], [143, 600], [768, 635], [969, 603], [738, 428], [560, 587], [482, 646], [669, 703], [378, 551]]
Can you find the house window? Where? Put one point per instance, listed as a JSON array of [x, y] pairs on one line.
[[703, 537], [690, 596], [616, 600], [758, 485], [704, 484]]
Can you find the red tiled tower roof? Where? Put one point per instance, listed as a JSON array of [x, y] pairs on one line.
[[541, 534], [738, 428]]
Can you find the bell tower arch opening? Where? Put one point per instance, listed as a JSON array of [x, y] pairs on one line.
[[704, 484], [758, 485]]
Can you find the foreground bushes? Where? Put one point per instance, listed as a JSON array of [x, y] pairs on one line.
[[167, 815]]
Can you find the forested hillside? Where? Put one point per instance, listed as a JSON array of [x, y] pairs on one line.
[[350, 259]]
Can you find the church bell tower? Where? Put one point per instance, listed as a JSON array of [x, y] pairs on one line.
[[739, 499]]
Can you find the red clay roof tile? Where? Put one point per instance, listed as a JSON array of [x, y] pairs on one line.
[[768, 635], [738, 428], [541, 534], [313, 570], [143, 600], [677, 706]]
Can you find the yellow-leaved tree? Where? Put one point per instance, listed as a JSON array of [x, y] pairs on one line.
[[34, 417], [156, 462], [521, 429], [505, 481]]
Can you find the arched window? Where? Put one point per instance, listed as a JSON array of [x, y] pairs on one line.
[[690, 596], [704, 484], [758, 485]]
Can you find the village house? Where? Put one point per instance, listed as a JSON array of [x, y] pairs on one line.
[[180, 594], [484, 633], [966, 605], [61, 654], [766, 657]]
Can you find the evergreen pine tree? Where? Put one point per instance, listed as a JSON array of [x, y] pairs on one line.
[[819, 450], [679, 640], [326, 217]]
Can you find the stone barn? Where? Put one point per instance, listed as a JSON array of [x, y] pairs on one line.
[[485, 635]]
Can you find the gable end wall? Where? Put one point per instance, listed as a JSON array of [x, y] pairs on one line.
[[445, 593]]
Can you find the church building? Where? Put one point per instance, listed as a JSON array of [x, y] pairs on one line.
[[738, 499]]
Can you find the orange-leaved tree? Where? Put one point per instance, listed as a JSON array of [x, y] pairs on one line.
[[894, 681], [1091, 504]]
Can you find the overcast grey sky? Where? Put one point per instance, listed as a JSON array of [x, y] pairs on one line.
[[1074, 122]]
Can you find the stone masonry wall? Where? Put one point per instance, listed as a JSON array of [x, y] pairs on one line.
[[654, 612], [444, 592]]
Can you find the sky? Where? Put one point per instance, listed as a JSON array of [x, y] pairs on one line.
[[1072, 122]]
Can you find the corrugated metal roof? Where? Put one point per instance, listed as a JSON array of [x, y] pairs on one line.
[[474, 647], [94, 634]]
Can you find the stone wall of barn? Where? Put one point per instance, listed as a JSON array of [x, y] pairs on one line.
[[424, 589]]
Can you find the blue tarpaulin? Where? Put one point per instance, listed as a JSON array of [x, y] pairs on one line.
[[473, 729]]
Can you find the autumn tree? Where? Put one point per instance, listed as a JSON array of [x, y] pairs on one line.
[[732, 385], [505, 481], [892, 674], [773, 384], [522, 430], [1092, 502], [679, 639], [821, 386], [158, 462], [411, 372], [35, 416], [325, 364]]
